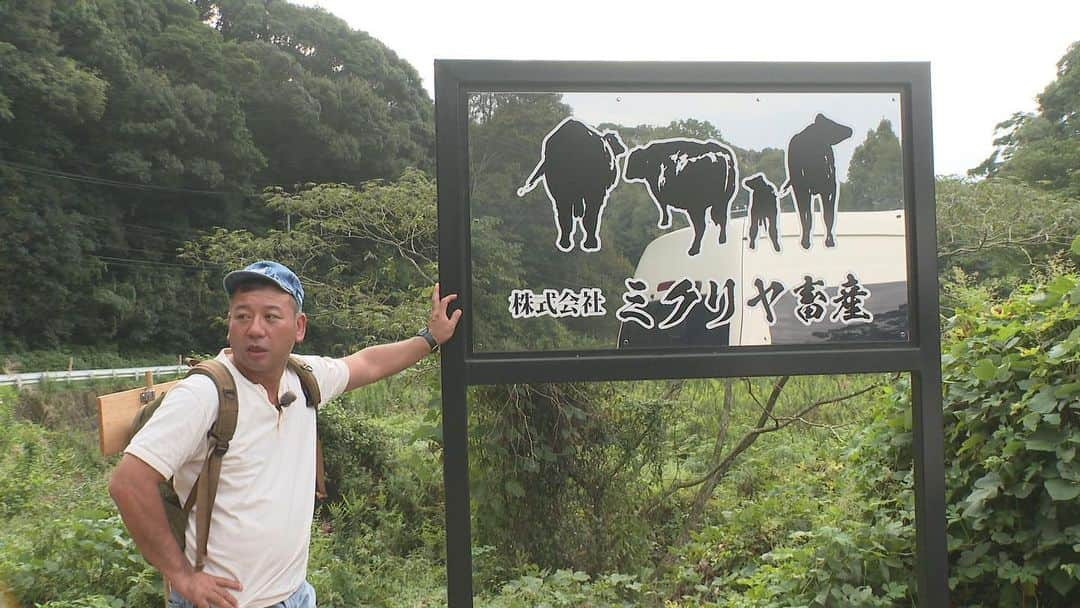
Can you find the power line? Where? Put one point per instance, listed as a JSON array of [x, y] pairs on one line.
[[123, 249], [112, 183], [134, 262], [56, 154], [152, 231]]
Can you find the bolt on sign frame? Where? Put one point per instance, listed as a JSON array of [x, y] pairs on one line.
[[916, 350]]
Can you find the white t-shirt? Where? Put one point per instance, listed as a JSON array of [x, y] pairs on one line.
[[261, 522]]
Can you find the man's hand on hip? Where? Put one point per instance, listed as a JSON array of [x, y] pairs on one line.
[[206, 591]]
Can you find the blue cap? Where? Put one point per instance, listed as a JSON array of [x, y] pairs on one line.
[[270, 272]]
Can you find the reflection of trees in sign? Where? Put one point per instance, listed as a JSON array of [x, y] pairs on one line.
[[633, 308], [691, 176], [812, 300], [850, 302], [875, 175], [811, 169], [579, 168], [766, 297]]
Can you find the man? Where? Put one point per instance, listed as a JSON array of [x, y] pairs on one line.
[[261, 521]]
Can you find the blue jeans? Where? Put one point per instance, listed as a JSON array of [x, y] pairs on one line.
[[304, 597]]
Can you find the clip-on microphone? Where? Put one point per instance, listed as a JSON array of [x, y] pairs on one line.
[[285, 400]]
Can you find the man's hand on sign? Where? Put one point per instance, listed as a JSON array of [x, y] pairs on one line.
[[440, 325]]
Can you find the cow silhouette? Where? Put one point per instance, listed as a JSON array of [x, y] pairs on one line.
[[579, 168], [811, 169], [690, 176], [764, 209]]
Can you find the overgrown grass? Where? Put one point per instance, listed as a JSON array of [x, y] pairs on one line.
[[784, 522], [76, 357]]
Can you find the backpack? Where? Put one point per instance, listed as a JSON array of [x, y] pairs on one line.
[[220, 434]]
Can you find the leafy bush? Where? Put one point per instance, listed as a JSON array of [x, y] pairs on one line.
[[59, 541], [75, 557], [1012, 408], [571, 459], [93, 601], [40, 469], [818, 519], [567, 589], [378, 540]]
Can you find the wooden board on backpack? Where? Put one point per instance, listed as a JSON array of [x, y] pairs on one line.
[[115, 413]]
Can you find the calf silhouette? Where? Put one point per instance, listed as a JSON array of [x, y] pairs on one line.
[[579, 168], [689, 175], [764, 210], [811, 170]]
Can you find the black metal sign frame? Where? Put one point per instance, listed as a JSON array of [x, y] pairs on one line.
[[920, 356]]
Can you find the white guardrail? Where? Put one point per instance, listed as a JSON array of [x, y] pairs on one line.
[[136, 373]]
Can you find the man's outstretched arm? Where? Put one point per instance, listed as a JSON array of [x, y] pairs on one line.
[[134, 488], [377, 362]]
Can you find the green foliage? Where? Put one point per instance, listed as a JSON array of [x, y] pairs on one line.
[[80, 357], [1001, 228], [328, 103], [34, 462], [77, 557], [128, 127], [572, 458], [789, 523], [356, 570], [378, 540], [816, 519], [366, 256], [355, 452], [75, 228], [1043, 149], [567, 589], [93, 601], [59, 540], [1011, 432]]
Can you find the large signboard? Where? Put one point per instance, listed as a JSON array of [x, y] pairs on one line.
[[605, 221], [648, 220]]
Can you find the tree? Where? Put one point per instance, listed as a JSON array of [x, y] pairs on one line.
[[1043, 148], [1001, 227], [875, 179], [101, 160], [365, 256], [128, 127], [1011, 477], [327, 103]]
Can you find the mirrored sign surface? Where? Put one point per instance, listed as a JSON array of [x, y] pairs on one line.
[[686, 220]]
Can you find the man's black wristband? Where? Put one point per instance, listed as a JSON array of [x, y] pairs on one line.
[[425, 333]]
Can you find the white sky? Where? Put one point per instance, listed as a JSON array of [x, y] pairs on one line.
[[989, 58]]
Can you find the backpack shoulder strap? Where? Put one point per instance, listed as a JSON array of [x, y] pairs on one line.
[[221, 433], [228, 406], [310, 385], [308, 382]]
